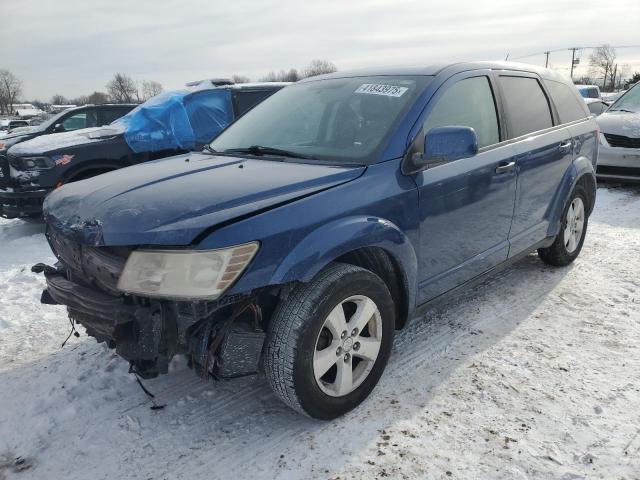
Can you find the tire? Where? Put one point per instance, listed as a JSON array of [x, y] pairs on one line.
[[561, 252], [301, 330]]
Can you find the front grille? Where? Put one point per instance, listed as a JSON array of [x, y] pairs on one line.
[[5, 173], [91, 266], [622, 141]]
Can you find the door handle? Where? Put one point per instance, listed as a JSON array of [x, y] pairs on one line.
[[505, 168], [566, 147]]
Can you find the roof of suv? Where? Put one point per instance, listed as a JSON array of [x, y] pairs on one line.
[[435, 69], [99, 106]]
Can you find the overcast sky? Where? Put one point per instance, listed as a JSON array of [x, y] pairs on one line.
[[73, 47]]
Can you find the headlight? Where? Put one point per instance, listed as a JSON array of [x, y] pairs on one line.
[[32, 163], [603, 141], [188, 274]]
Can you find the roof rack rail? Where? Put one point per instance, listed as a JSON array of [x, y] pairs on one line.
[[217, 82]]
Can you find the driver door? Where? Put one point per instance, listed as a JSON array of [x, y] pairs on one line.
[[466, 206]]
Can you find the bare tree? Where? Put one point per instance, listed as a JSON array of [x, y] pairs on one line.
[[122, 89], [318, 67], [240, 79], [292, 75], [602, 61], [270, 77], [58, 99], [98, 98], [150, 89], [585, 80], [10, 90]]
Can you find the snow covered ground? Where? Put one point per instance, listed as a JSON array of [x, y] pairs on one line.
[[533, 374]]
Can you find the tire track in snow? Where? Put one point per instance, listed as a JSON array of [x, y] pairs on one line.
[[104, 429]]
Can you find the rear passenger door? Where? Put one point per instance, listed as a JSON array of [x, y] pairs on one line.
[[544, 152], [466, 206]]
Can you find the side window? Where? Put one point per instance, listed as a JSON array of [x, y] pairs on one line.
[[468, 103], [74, 122], [569, 106], [526, 105], [245, 101], [92, 118], [108, 115]]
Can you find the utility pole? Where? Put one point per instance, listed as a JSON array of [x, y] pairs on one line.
[[573, 59], [546, 63]]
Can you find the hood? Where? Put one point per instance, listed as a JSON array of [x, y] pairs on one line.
[[9, 140], [171, 201], [21, 132], [57, 141], [620, 123]]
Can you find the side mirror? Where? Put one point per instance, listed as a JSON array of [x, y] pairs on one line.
[[443, 145], [58, 128]]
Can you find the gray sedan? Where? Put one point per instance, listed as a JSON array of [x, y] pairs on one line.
[[619, 157]]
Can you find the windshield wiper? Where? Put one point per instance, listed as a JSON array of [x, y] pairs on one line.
[[208, 149], [621, 110], [260, 150]]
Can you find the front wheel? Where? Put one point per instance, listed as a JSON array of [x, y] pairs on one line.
[[329, 341], [568, 243]]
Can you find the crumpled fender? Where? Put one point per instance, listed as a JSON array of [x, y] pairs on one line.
[[581, 166], [330, 241]]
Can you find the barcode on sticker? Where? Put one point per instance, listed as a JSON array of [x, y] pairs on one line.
[[379, 89]]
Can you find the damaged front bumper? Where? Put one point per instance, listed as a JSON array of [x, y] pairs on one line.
[[222, 338]]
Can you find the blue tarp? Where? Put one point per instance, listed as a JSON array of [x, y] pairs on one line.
[[181, 119]]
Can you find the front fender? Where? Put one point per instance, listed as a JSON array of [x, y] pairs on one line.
[[580, 167], [331, 241]]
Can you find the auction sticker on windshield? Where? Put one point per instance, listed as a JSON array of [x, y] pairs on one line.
[[379, 89]]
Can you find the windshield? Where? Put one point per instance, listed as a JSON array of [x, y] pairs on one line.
[[630, 101], [338, 120]]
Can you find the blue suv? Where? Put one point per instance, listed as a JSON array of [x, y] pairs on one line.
[[322, 221]]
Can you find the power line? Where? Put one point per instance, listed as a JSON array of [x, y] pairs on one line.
[[577, 48]]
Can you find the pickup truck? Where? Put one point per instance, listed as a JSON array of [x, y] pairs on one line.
[[12, 196], [322, 221]]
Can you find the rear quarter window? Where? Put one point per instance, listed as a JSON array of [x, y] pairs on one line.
[[526, 105], [569, 106]]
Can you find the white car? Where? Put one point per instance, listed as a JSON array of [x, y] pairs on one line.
[[619, 157]]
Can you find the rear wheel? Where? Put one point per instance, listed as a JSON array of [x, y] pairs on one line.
[[329, 341], [568, 243]]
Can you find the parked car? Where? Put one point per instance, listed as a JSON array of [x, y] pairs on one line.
[[619, 157], [323, 220], [72, 119], [169, 124], [595, 105], [13, 124], [589, 91]]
